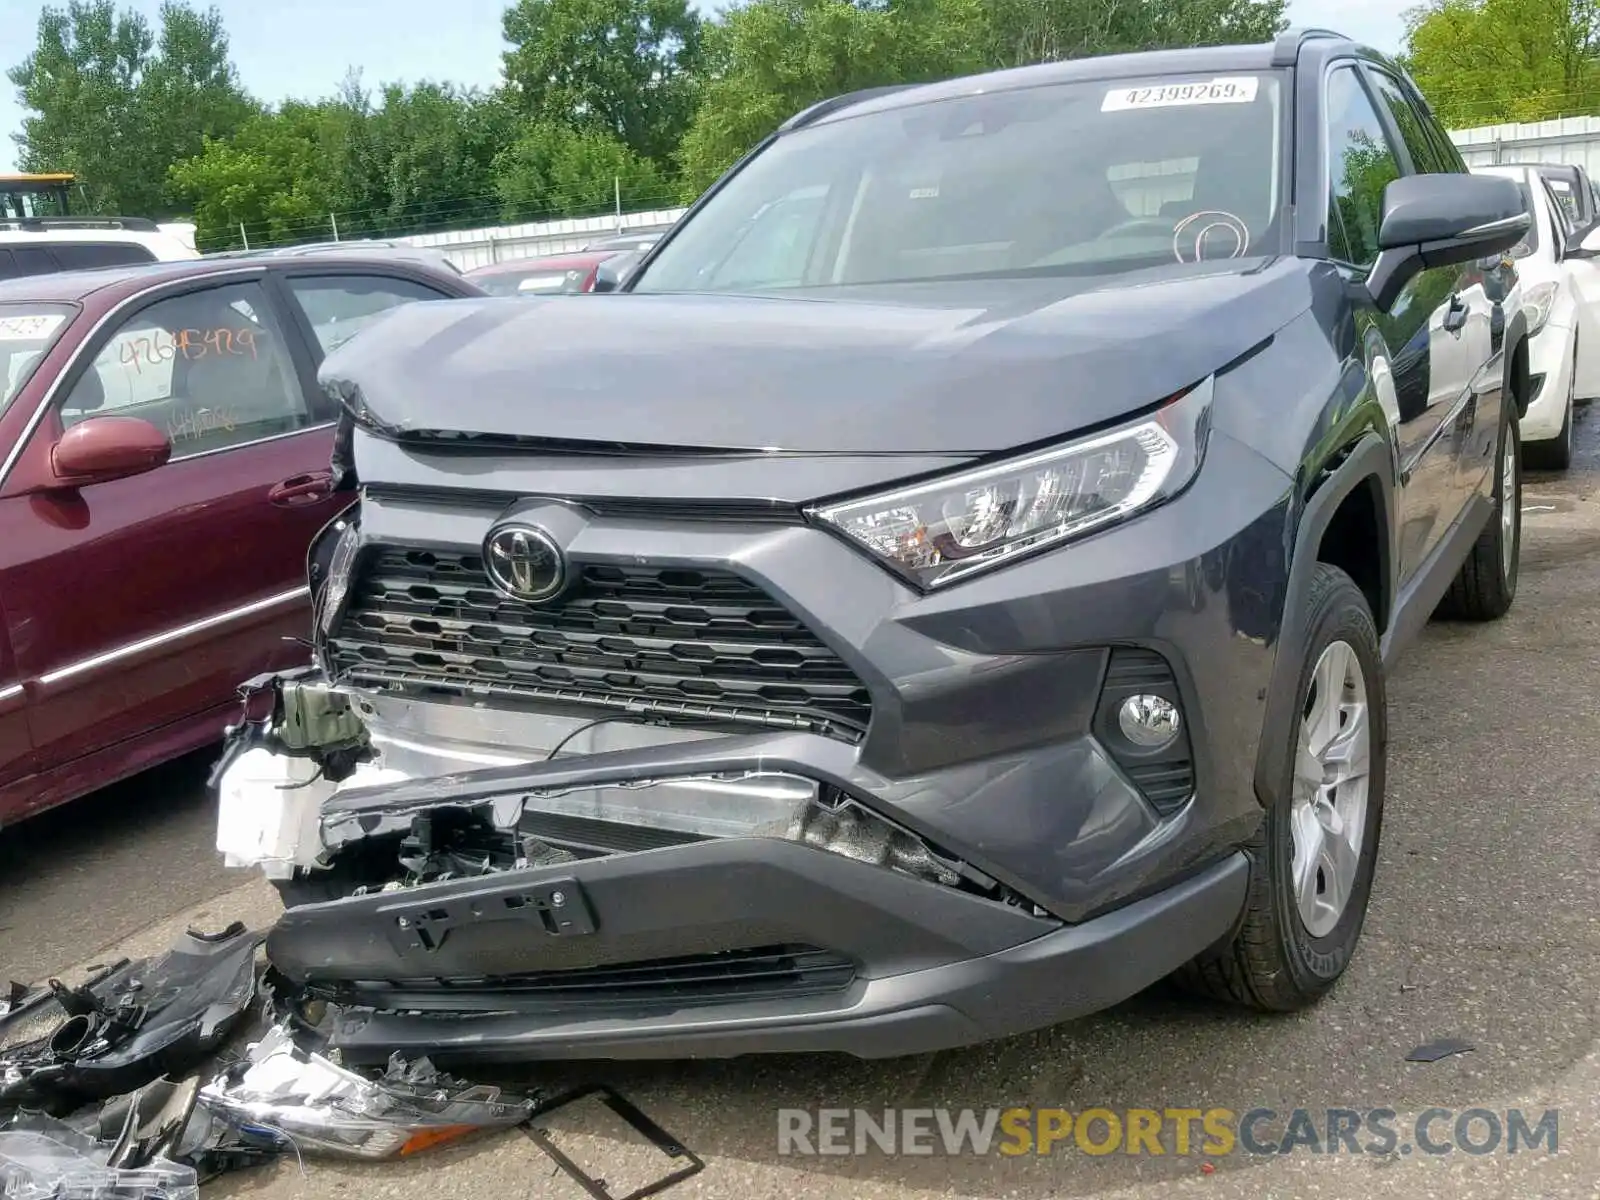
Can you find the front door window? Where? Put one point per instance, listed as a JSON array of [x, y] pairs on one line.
[[210, 369]]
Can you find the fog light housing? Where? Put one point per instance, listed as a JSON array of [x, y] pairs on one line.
[[1149, 722], [1139, 722]]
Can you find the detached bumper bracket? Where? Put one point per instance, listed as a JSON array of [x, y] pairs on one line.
[[629, 1112], [557, 906]]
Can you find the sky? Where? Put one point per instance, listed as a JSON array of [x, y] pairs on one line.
[[304, 48]]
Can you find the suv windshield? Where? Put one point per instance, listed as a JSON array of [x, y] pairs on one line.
[[27, 331], [1081, 178]]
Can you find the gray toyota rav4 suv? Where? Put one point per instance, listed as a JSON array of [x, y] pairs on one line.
[[947, 587]]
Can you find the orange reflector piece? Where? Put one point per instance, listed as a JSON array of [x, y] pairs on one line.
[[427, 1139]]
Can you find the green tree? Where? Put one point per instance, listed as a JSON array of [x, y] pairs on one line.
[[111, 102], [1481, 62], [772, 58], [190, 90], [620, 67], [1029, 31], [272, 177], [555, 170], [423, 155]]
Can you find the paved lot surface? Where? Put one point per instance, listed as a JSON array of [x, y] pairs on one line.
[[1484, 927]]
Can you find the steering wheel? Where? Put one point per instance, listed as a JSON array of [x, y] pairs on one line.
[[1161, 226]]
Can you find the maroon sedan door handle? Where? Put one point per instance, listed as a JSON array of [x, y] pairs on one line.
[[302, 489]]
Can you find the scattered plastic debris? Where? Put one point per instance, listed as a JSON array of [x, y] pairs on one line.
[[1443, 1048], [135, 1023], [42, 1158], [313, 1105], [127, 1116], [20, 1000]]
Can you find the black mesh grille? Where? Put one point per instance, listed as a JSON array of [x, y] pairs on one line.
[[701, 643], [1167, 784], [725, 978]]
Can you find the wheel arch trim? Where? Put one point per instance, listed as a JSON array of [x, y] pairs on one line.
[[1367, 462], [1516, 337]]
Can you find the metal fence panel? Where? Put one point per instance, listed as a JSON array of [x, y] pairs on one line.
[[469, 248]]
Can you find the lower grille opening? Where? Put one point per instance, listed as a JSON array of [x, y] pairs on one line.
[[729, 977], [587, 837], [1166, 785]]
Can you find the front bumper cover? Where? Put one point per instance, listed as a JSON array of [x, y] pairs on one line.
[[934, 968]]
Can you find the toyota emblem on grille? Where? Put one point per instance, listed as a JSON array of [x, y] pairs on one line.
[[524, 562]]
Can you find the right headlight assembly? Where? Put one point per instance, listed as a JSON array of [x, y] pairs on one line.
[[954, 527], [1538, 301]]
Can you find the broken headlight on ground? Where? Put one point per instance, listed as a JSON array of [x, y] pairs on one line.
[[315, 1105], [135, 1023], [45, 1159]]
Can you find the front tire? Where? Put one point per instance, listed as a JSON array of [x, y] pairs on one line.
[[1487, 582], [1314, 857]]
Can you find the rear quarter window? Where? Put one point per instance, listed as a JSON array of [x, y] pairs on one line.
[[95, 256], [19, 261]]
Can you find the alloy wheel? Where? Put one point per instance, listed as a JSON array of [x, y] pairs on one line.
[[1329, 815]]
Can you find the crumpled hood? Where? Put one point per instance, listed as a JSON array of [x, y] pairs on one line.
[[942, 367]]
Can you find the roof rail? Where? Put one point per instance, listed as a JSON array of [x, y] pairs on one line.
[[44, 224], [822, 108], [1286, 50]]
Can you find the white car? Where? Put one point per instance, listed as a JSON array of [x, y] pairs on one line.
[[42, 245], [1561, 295]]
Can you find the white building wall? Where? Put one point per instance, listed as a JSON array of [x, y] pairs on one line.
[[469, 248], [1563, 140]]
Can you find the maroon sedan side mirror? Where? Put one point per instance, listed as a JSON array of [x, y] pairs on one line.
[[101, 449]]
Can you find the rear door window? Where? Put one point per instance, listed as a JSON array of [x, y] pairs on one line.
[[1562, 224], [1567, 196], [340, 306]]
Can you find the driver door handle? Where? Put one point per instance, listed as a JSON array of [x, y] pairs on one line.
[[1455, 317], [302, 489]]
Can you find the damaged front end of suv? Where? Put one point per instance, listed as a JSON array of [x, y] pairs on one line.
[[884, 652], [472, 878], [574, 772]]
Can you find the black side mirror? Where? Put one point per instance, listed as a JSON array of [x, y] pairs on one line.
[[615, 271], [1440, 220]]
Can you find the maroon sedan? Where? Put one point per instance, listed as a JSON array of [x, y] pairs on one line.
[[544, 274], [164, 463]]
